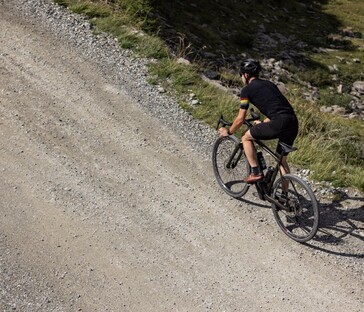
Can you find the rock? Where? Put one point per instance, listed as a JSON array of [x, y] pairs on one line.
[[348, 32], [339, 88], [333, 68], [353, 116], [213, 75], [338, 110], [335, 109], [209, 55], [262, 28], [358, 86], [268, 64], [282, 87], [360, 106], [267, 41], [183, 61], [325, 109]]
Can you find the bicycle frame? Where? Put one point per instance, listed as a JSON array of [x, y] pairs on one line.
[[276, 169], [293, 202], [264, 188], [233, 163]]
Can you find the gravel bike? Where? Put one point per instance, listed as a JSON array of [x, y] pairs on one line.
[[293, 203]]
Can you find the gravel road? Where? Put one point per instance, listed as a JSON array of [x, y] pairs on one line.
[[108, 201]]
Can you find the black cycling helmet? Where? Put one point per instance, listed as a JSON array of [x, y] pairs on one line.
[[251, 67]]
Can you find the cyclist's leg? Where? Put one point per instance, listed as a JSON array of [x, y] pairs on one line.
[[284, 170], [285, 167], [256, 173], [249, 149], [287, 136], [260, 131]]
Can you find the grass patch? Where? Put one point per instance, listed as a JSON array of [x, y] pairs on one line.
[[330, 146], [349, 12], [330, 97]]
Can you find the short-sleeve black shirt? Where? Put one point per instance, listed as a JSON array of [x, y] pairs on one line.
[[265, 96]]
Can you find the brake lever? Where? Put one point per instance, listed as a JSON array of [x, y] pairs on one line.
[[222, 122]]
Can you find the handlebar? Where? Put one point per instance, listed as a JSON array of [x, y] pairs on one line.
[[223, 122], [247, 122]]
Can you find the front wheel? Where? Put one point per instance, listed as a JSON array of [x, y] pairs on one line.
[[230, 166], [300, 217]]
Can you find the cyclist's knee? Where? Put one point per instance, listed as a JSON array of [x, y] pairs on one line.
[[247, 136]]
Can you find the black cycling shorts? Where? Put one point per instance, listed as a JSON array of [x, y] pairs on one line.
[[284, 128]]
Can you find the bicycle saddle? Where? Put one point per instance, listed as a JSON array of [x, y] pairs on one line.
[[287, 148]]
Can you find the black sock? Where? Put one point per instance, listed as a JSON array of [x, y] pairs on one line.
[[256, 170]]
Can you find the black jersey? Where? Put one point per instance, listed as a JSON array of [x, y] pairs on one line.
[[265, 96]]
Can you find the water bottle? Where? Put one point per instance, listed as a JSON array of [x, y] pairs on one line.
[[268, 175], [261, 161]]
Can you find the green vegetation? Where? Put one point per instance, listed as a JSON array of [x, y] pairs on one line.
[[331, 146], [204, 31]]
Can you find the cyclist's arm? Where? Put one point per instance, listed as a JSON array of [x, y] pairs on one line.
[[239, 120]]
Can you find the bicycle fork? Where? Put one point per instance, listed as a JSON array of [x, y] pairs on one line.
[[233, 160]]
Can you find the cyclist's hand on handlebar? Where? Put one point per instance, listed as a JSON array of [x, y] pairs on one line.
[[223, 132]]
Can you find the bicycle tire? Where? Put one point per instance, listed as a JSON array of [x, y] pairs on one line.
[[230, 178], [302, 221]]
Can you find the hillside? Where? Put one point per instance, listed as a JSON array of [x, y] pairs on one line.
[[317, 46], [314, 49]]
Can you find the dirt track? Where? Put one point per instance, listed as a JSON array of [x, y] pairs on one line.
[[98, 213]]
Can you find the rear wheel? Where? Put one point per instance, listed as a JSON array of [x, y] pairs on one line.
[[300, 217], [230, 166]]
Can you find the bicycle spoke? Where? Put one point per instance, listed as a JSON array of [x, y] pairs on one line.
[[300, 220]]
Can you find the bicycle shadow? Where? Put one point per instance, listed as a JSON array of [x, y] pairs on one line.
[[341, 230], [341, 224], [255, 202]]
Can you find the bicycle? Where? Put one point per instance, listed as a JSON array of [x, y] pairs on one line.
[[293, 203]]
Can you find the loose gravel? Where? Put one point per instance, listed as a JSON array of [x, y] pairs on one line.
[[130, 71]]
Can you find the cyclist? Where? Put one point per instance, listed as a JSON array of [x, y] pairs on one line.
[[281, 122]]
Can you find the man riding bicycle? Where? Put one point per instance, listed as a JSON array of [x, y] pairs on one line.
[[281, 122]]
